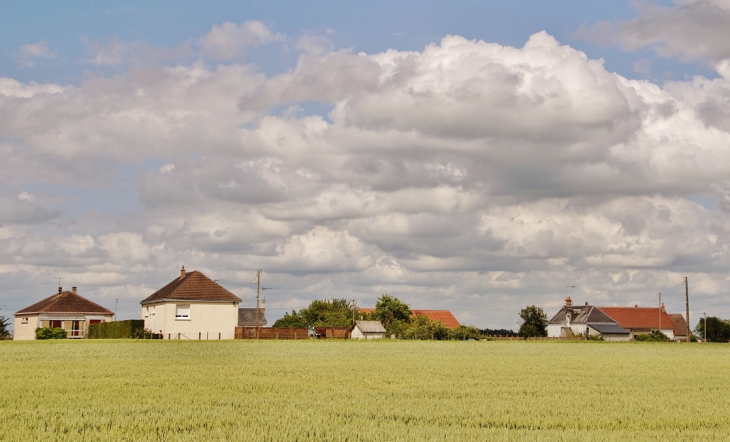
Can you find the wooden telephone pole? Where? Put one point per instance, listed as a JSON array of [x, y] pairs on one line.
[[258, 290], [686, 298]]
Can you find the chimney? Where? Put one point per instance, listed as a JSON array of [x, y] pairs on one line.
[[60, 289], [73, 289], [263, 306], [663, 307], [636, 305], [182, 272], [568, 301], [586, 303]]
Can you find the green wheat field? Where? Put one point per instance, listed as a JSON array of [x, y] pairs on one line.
[[349, 390]]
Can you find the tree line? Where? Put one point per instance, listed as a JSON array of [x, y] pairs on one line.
[[395, 315]]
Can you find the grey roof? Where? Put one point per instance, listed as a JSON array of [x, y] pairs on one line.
[[581, 314], [370, 326], [247, 317], [609, 329]]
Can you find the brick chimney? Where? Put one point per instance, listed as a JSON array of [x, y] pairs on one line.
[[73, 289], [568, 301], [60, 290], [182, 272]]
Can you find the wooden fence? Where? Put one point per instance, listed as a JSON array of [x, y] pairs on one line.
[[271, 333], [332, 332]]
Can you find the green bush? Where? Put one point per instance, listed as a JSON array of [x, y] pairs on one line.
[[654, 336], [129, 329], [50, 333]]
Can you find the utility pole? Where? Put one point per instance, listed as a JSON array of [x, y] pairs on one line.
[[258, 289], [116, 302], [686, 298], [660, 311], [705, 340]]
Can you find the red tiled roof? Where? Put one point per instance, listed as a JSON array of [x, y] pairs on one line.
[[445, 316], [638, 317], [194, 286], [680, 325], [65, 302]]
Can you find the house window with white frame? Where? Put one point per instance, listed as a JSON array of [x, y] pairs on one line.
[[182, 311]]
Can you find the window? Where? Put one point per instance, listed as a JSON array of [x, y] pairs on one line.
[[182, 311], [146, 311], [24, 321]]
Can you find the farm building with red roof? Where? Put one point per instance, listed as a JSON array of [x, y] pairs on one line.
[[444, 316]]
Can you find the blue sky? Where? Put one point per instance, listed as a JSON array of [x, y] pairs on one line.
[[369, 27], [477, 156]]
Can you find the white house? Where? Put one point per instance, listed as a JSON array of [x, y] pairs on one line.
[[191, 306], [368, 330], [67, 310], [579, 320]]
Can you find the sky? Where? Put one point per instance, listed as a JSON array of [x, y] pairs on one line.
[[472, 156]]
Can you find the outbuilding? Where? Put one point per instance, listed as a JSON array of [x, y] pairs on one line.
[[368, 330]]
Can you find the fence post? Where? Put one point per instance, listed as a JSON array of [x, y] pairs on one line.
[[219, 335], [200, 336], [168, 336]]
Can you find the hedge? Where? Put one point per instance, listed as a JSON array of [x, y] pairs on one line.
[[129, 329]]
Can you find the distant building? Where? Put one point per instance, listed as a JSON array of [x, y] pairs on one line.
[[613, 323], [641, 320], [247, 316], [191, 306], [368, 330], [445, 316], [582, 320], [67, 310], [680, 326]]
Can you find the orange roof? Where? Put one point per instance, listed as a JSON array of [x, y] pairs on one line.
[[445, 316], [638, 317]]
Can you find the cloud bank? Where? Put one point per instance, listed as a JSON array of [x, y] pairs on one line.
[[469, 175]]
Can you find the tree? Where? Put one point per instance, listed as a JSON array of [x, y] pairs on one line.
[[464, 332], [392, 313], [498, 332], [295, 320], [4, 332], [718, 330], [329, 313], [533, 322]]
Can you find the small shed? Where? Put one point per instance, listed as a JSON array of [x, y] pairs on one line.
[[368, 330]]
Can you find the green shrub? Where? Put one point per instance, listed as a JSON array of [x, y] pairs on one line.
[[129, 329], [654, 336], [50, 333]]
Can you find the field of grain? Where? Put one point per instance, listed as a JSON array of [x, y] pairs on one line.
[[346, 390]]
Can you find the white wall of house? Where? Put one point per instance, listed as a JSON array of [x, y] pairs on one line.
[[24, 327], [191, 319], [556, 330], [357, 334], [643, 331]]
